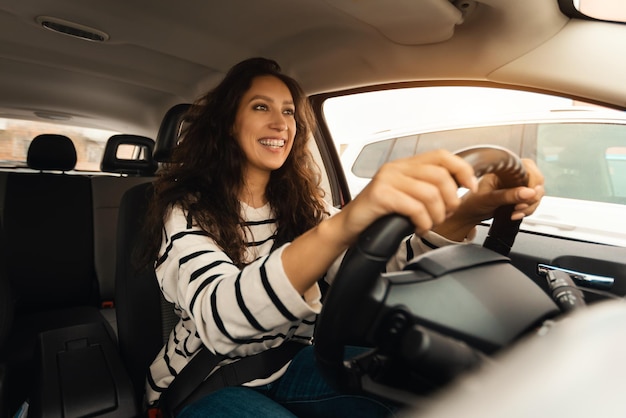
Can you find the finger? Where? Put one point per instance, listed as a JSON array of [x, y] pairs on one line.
[[459, 169], [431, 184], [423, 215], [530, 205], [435, 185], [421, 198], [535, 177]]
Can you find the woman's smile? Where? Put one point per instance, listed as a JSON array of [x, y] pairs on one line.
[[272, 143]]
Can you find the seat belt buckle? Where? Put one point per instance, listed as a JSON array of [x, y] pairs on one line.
[[154, 413], [107, 304]]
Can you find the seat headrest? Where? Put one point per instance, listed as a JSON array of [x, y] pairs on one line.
[[169, 132], [51, 152], [129, 154]]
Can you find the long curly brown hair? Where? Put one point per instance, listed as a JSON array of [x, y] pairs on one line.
[[206, 169]]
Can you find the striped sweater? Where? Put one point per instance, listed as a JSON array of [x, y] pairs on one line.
[[237, 312]]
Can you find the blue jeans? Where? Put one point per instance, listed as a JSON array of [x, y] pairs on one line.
[[301, 392]]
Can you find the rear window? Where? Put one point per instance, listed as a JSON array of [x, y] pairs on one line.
[[16, 136]]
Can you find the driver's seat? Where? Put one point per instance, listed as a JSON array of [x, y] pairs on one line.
[[144, 318]]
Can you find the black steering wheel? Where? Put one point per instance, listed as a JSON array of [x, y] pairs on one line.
[[364, 263]]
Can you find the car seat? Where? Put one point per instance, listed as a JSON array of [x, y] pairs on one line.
[[144, 318], [48, 225], [6, 321], [130, 157]]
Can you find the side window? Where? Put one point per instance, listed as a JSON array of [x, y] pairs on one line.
[[507, 136], [616, 161], [371, 157], [582, 160], [374, 155], [403, 147]]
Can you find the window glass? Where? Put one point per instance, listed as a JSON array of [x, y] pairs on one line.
[[581, 160], [580, 148], [610, 10], [371, 157], [16, 136], [403, 147], [616, 162], [507, 136]]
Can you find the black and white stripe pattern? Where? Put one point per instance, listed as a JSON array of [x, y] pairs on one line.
[[231, 311]]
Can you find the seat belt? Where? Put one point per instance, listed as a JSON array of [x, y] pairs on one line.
[[192, 383]]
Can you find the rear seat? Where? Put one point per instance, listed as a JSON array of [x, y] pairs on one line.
[[59, 335], [48, 224]]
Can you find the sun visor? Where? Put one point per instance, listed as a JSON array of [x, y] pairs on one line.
[[408, 22]]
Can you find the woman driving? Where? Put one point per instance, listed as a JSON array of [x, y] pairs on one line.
[[244, 240]]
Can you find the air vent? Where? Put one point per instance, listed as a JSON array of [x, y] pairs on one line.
[[72, 29]]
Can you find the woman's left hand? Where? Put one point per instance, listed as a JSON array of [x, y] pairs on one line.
[[480, 205]]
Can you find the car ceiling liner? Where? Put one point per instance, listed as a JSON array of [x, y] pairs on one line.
[[421, 22]]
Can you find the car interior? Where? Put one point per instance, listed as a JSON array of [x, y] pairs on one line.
[[538, 299]]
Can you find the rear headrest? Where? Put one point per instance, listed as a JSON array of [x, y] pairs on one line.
[[169, 132], [51, 152], [129, 154]]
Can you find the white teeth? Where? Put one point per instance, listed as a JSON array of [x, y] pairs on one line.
[[275, 143]]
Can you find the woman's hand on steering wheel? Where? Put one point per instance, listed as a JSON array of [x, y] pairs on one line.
[[478, 206], [422, 187]]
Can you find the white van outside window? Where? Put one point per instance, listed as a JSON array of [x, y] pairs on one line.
[[580, 149]]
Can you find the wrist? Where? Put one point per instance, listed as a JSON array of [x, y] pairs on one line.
[[455, 230]]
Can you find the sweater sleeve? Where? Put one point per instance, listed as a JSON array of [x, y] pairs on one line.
[[410, 247], [414, 245], [231, 310]]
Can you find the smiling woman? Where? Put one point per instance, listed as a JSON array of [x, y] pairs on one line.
[[265, 128], [108, 65]]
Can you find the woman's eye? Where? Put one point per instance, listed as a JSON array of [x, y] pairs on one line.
[[290, 112], [260, 107]]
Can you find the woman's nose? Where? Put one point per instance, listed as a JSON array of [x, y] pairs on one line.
[[279, 123]]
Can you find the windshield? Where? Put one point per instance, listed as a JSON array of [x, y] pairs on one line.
[[580, 148]]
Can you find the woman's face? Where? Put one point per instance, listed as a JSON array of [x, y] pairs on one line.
[[265, 125]]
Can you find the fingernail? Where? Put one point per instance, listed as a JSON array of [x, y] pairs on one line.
[[517, 216], [526, 193], [473, 183]]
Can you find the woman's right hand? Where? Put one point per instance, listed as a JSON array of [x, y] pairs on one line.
[[422, 187]]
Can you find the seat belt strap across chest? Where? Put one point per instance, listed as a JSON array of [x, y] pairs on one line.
[[192, 382]]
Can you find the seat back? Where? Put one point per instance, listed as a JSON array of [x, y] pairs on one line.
[[144, 318], [48, 220], [137, 294], [6, 322], [129, 156], [6, 301]]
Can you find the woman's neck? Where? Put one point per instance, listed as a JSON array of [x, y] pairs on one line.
[[253, 191]]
